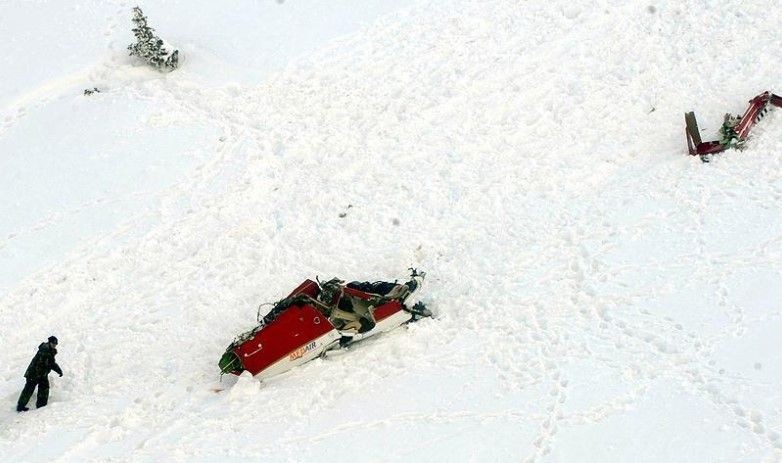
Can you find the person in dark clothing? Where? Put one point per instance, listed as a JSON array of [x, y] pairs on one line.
[[37, 374]]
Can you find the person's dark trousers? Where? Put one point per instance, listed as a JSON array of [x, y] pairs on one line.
[[29, 387]]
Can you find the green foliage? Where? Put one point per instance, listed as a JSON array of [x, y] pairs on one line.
[[149, 47], [728, 135]]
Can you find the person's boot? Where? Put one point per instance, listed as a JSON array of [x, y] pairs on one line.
[[21, 409]]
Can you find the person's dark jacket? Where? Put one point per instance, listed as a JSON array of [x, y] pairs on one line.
[[43, 363]]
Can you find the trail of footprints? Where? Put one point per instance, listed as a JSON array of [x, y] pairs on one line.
[[550, 424]]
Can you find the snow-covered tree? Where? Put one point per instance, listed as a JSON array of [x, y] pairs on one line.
[[149, 47]]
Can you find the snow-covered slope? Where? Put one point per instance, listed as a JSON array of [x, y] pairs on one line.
[[600, 296]]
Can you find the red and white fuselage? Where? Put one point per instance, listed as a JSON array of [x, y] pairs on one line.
[[303, 332]]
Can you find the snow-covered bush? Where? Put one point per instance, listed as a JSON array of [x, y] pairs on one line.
[[150, 47]]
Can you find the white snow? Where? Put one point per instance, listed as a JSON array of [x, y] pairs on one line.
[[600, 296]]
